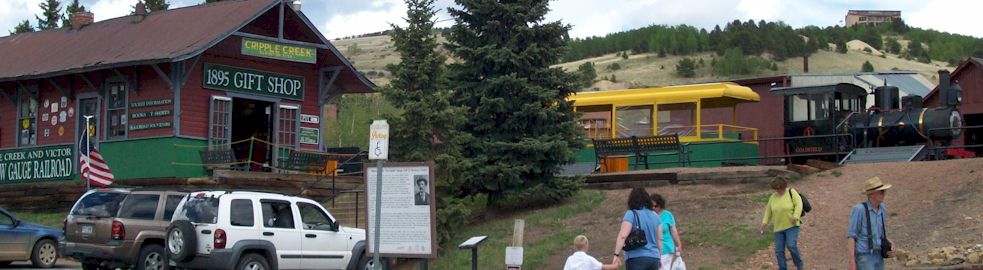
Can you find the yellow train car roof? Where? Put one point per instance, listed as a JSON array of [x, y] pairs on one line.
[[712, 95]]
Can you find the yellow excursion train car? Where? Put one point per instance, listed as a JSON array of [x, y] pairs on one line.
[[699, 118]]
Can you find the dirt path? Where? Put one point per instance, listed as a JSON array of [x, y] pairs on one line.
[[932, 204]]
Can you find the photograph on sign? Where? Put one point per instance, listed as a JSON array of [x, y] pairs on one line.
[[408, 217]]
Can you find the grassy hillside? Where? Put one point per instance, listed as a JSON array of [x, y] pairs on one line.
[[371, 54]]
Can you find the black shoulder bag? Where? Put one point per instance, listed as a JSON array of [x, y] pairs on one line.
[[806, 207], [885, 245], [636, 238]]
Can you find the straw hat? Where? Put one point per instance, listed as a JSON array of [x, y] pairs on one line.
[[874, 184]]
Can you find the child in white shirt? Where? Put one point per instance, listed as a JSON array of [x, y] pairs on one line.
[[581, 261]]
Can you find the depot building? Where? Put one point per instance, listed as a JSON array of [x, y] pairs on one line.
[[162, 87]]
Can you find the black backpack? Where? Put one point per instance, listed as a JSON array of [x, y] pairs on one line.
[[806, 207]]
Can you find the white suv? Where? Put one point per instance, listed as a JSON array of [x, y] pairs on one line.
[[260, 231]]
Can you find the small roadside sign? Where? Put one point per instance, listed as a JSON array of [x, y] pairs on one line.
[[379, 140]]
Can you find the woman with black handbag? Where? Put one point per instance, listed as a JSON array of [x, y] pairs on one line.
[[640, 235]]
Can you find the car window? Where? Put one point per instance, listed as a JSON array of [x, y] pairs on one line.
[[170, 205], [277, 214], [102, 204], [313, 218], [241, 213], [199, 208], [6, 220], [140, 206]]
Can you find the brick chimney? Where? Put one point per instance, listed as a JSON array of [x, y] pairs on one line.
[[140, 12], [81, 18]]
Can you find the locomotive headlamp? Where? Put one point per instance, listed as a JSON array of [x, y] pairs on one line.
[[955, 95]]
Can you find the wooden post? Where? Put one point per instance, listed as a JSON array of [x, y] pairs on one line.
[[518, 231]]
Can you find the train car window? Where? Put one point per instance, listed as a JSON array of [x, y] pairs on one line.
[[818, 107], [798, 109], [633, 121], [677, 118], [596, 121]]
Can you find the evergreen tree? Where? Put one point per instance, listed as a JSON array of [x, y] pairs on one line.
[[893, 46], [686, 68], [51, 12], [70, 11], [840, 46], [523, 129], [867, 67], [157, 5], [23, 27], [429, 127], [587, 74]]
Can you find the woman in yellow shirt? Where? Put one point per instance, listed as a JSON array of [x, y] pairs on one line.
[[784, 210]]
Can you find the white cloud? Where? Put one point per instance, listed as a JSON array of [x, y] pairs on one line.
[[948, 15], [367, 21], [12, 12], [108, 9], [767, 10]]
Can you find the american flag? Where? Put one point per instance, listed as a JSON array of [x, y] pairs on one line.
[[91, 165]]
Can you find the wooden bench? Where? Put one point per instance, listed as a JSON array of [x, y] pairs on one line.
[[218, 159], [309, 162], [640, 147]]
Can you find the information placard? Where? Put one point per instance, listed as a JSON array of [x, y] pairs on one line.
[[408, 211]]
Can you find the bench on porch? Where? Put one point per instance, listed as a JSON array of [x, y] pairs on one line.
[[307, 162], [218, 159], [641, 148]]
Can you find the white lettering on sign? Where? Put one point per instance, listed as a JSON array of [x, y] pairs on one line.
[[218, 77], [284, 86]]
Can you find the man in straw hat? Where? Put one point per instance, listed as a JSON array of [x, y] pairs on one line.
[[867, 228]]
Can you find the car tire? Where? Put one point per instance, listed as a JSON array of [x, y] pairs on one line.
[[253, 261], [365, 263], [45, 254], [4, 263], [152, 258], [181, 241]]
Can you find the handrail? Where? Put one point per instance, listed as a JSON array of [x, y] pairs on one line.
[[844, 121]]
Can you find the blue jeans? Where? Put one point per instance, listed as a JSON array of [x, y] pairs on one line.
[[788, 238], [870, 261], [643, 263]]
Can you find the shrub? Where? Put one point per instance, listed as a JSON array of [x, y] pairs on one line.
[[614, 66], [867, 67], [686, 68]]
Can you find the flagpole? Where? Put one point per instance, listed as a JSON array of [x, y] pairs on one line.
[[88, 153]]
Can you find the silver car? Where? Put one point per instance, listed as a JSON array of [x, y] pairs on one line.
[[22, 241]]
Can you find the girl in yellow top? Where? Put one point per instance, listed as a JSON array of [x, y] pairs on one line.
[[784, 210]]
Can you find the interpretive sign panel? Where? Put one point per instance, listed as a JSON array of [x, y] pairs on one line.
[[408, 210], [310, 135], [38, 164], [254, 82]]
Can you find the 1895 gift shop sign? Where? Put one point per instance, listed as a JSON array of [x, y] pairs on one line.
[[37, 164], [255, 82]]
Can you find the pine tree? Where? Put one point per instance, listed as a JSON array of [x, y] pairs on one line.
[[867, 67], [23, 27], [70, 10], [157, 5], [523, 129], [428, 128], [686, 68], [51, 10], [587, 74]]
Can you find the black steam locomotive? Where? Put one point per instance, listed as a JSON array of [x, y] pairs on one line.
[[829, 121]]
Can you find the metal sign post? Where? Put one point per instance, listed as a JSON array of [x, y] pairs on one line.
[[88, 141], [379, 151]]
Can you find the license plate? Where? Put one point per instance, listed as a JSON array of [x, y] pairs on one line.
[[86, 229]]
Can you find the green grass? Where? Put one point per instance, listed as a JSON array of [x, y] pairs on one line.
[[763, 197], [536, 248], [740, 239], [836, 173], [52, 219]]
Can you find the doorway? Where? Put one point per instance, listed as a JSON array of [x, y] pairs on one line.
[[252, 119]]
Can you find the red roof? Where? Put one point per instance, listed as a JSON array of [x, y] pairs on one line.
[[163, 36], [959, 69]]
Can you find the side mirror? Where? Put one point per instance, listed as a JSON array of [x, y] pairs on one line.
[[16, 223], [334, 225]]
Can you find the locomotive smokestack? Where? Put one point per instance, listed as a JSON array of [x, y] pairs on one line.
[[943, 87]]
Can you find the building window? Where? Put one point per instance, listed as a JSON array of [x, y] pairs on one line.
[[116, 110], [863, 18], [27, 124]]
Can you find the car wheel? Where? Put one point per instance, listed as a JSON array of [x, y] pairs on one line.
[[4, 263], [253, 261], [181, 240], [45, 254], [152, 258], [366, 263]]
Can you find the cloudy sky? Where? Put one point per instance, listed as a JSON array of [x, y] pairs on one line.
[[340, 18]]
